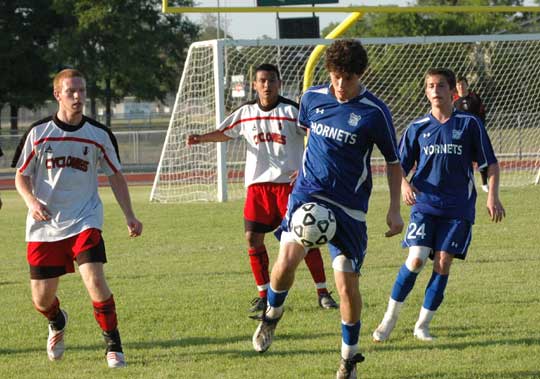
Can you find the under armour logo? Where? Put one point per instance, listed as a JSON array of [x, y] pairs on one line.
[[456, 134], [426, 135], [454, 244], [319, 110]]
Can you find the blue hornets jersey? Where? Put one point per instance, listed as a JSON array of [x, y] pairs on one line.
[[336, 162], [444, 155]]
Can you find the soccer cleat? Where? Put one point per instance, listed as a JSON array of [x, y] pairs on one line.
[[262, 338], [384, 329], [258, 304], [421, 332], [485, 188], [326, 301], [55, 341], [347, 367], [116, 359]]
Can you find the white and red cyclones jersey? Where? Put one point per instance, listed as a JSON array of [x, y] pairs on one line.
[[62, 161], [275, 143]]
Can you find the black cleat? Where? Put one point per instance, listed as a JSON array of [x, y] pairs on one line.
[[347, 367]]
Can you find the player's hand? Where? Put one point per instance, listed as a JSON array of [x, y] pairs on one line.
[[135, 227], [495, 209], [408, 192], [38, 211], [193, 139], [293, 177], [394, 222]]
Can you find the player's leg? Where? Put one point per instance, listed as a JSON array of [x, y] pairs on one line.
[[258, 260], [347, 284], [47, 263], [418, 238], [89, 250], [259, 218], [434, 294], [315, 265], [281, 280], [347, 250], [452, 241]]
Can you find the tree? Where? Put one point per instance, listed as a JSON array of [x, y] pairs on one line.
[[26, 28], [124, 47], [209, 28]]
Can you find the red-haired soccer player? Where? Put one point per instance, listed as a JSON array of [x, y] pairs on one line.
[[57, 165]]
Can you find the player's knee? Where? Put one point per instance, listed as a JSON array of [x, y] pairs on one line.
[[417, 258], [254, 240]]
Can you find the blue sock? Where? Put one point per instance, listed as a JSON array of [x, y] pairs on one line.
[[350, 333], [404, 284], [276, 299], [435, 291]]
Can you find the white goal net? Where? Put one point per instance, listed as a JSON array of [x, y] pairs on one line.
[[504, 70]]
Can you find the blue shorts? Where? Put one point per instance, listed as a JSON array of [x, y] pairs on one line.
[[350, 239], [438, 233]]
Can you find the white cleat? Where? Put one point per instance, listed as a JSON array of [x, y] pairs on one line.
[[384, 329], [264, 334], [422, 333], [116, 359], [485, 188], [55, 341]]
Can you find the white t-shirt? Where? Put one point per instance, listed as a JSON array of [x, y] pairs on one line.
[[62, 161], [275, 143]]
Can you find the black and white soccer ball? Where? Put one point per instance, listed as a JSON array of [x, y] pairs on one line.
[[313, 224]]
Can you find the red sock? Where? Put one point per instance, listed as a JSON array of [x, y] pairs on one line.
[[105, 314], [316, 267], [258, 258], [52, 311]]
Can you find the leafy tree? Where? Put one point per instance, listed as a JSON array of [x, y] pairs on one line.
[[26, 28], [124, 47]]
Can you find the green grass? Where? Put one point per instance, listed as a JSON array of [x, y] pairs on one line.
[[182, 293]]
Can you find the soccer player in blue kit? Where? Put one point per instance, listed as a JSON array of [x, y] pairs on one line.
[[443, 146], [344, 121]]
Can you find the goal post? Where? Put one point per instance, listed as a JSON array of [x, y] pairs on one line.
[[503, 69]]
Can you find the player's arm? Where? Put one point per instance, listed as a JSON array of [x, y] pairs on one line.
[[121, 193], [215, 136], [394, 221], [38, 211], [494, 206]]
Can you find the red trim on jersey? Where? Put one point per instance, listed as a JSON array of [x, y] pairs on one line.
[[259, 118], [83, 140], [27, 162]]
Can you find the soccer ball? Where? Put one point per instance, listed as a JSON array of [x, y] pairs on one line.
[[313, 224]]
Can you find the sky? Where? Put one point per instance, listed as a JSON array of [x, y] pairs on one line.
[[253, 25]]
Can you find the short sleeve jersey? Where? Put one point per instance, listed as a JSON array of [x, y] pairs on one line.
[[275, 143], [443, 155], [62, 161], [337, 160]]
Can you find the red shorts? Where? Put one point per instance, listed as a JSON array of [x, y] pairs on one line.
[[53, 259], [266, 204]]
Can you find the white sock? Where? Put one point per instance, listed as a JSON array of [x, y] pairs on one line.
[[424, 318], [273, 313], [393, 309], [348, 351]]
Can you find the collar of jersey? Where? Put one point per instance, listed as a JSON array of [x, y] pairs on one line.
[[363, 90], [67, 127], [268, 109]]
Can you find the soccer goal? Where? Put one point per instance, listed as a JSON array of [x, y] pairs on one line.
[[503, 69]]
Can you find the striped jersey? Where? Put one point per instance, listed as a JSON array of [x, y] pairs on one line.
[[62, 162], [337, 161], [275, 143], [443, 155]]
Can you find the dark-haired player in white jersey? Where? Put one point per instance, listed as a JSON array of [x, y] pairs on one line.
[[442, 146], [275, 145], [57, 166], [345, 121]]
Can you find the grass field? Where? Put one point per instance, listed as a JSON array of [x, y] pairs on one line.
[[183, 290]]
